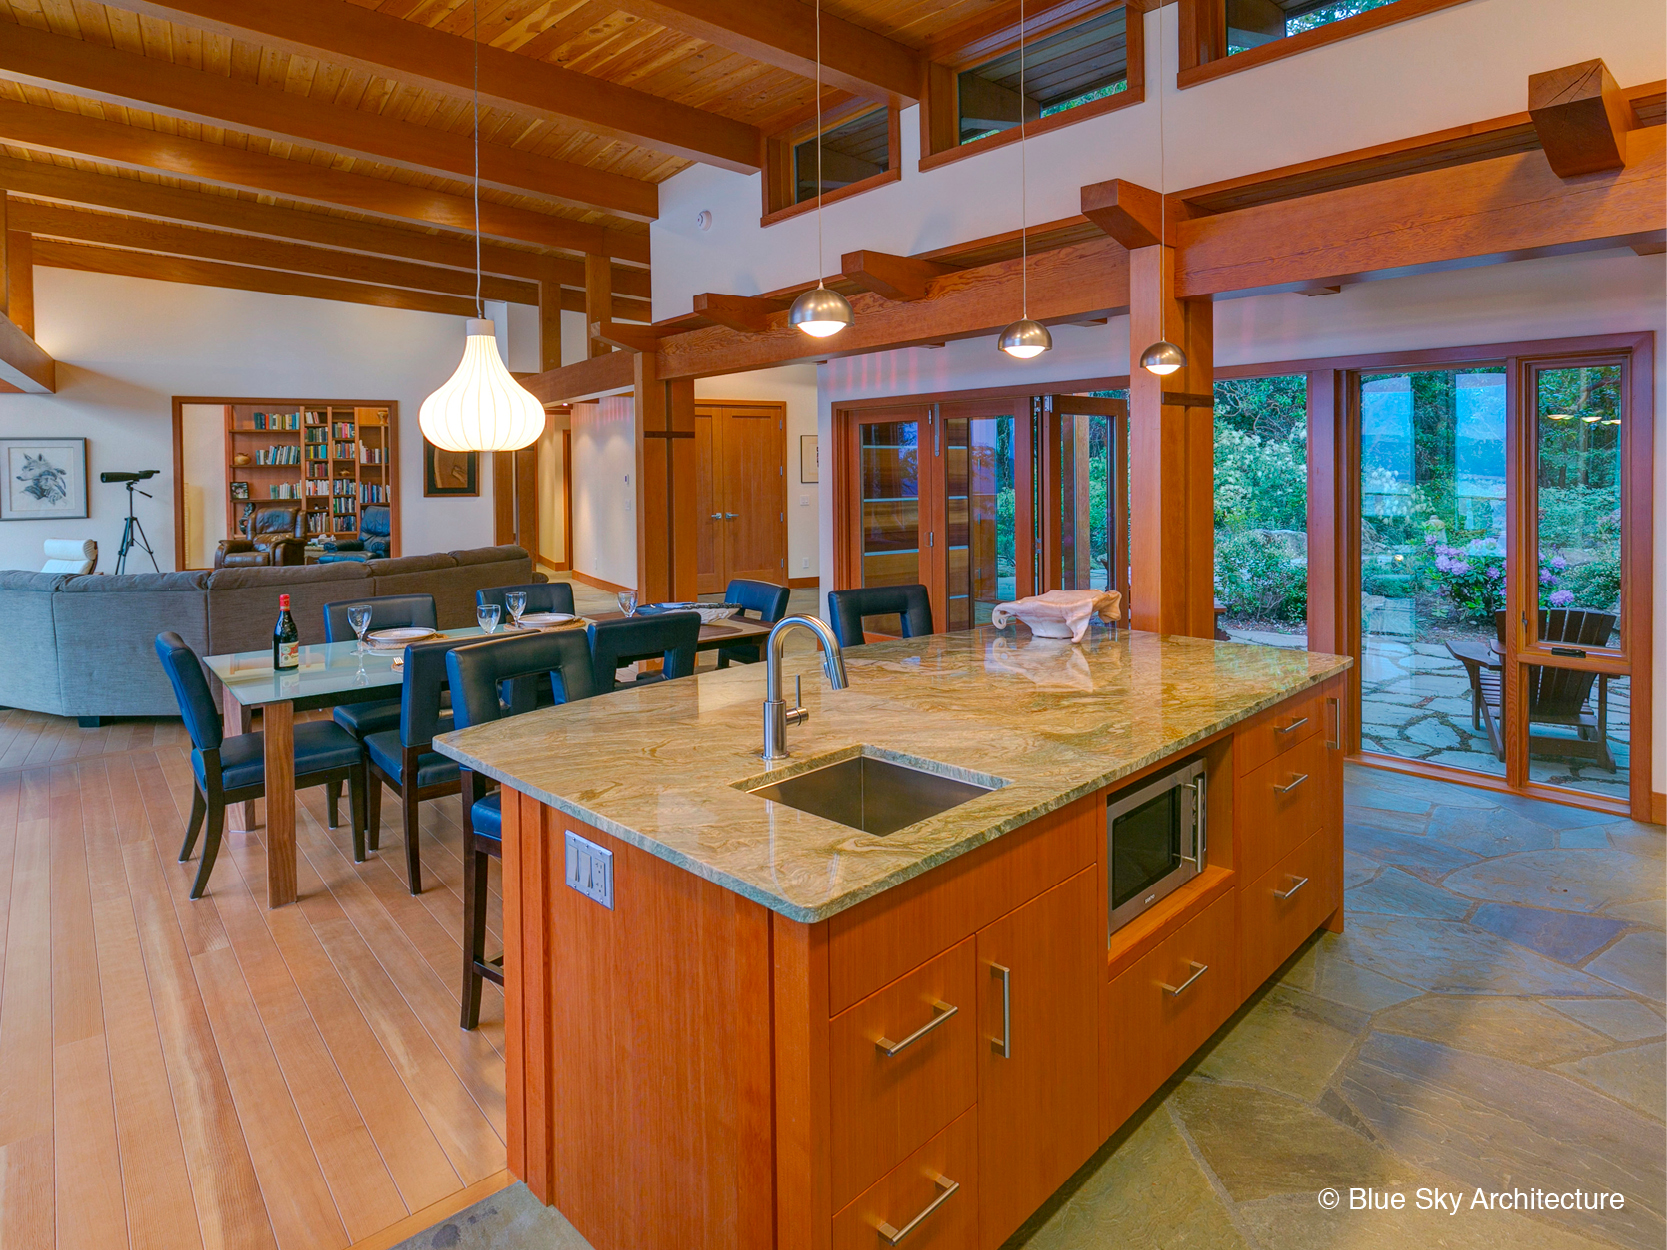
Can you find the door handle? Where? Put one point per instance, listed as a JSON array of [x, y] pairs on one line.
[[945, 1188], [1175, 991], [730, 516], [1301, 881], [1296, 724], [1292, 784], [1003, 1045], [717, 516], [941, 1011], [1334, 711]]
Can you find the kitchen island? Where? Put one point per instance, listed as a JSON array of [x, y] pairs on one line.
[[753, 1026]]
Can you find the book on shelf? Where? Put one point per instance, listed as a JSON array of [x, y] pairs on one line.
[[277, 455], [343, 451], [343, 429], [284, 490], [369, 493], [275, 421]]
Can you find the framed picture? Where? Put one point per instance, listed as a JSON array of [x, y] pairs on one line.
[[810, 464], [46, 479], [240, 490], [450, 472]]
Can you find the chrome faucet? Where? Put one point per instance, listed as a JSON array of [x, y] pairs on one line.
[[777, 715]]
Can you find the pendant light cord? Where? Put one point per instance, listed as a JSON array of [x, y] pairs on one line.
[[1163, 212], [1024, 181], [819, 263], [480, 306]]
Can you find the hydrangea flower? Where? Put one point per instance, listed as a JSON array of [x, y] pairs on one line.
[[1561, 598], [1558, 563], [1495, 572]]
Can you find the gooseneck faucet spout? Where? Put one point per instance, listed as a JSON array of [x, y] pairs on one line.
[[777, 715]]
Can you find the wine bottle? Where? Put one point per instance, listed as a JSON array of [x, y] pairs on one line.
[[286, 639]]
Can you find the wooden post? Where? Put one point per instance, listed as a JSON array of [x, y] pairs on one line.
[[653, 485], [5, 260], [599, 301], [549, 324], [1171, 450], [681, 518]]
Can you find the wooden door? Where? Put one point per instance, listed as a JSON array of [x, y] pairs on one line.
[[740, 494], [1037, 1084], [709, 517]]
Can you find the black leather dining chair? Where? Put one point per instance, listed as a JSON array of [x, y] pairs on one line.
[[402, 760], [233, 770], [848, 608], [669, 637], [478, 674], [541, 597], [767, 601], [387, 612]]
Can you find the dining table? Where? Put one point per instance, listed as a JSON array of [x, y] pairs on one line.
[[329, 675]]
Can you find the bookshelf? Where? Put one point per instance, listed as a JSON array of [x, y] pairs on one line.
[[335, 456]]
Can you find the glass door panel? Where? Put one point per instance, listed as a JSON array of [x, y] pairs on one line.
[[1086, 490], [890, 504], [979, 514]]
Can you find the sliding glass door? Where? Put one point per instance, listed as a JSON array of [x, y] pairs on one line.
[[980, 525], [894, 515]]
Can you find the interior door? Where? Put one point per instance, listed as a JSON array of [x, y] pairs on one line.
[[894, 503], [1037, 1084], [709, 517], [754, 457]]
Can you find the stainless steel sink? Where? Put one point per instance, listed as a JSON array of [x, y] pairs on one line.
[[871, 793]]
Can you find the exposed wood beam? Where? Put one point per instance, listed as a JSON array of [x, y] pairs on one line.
[[783, 33], [44, 180], [584, 379], [1128, 212], [131, 147], [599, 309], [20, 280], [1581, 117], [5, 254], [108, 74], [24, 366], [633, 310], [419, 56], [55, 255], [626, 338], [897, 278], [749, 314], [1508, 208], [549, 325]]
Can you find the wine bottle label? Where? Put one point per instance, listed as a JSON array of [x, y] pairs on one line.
[[289, 654]]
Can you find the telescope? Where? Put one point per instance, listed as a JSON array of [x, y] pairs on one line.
[[140, 476]]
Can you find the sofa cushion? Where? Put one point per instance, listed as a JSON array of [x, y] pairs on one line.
[[105, 632], [489, 555], [111, 584], [243, 603], [396, 566], [29, 677], [452, 584]]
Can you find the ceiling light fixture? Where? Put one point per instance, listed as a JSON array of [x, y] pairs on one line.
[[1559, 416], [1163, 357], [819, 312], [480, 407], [1024, 339]]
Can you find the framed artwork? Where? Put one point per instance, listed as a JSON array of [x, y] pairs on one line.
[[450, 472], [810, 464], [240, 490], [46, 479]]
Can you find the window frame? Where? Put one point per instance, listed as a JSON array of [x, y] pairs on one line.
[[777, 182]]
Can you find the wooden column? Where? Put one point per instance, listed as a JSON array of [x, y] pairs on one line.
[[665, 487], [5, 260], [549, 324], [515, 498], [599, 301], [19, 260]]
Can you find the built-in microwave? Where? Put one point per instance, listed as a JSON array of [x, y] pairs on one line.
[[1155, 840]]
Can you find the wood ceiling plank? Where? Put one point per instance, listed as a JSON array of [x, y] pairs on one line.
[[106, 74], [350, 35]]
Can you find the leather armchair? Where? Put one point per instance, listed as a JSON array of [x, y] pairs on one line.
[[274, 533], [375, 535]]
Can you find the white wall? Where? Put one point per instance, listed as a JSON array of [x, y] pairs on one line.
[[126, 346], [203, 473], [604, 492]]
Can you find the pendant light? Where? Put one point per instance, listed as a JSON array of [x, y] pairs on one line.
[[819, 312], [1163, 357], [480, 407], [1024, 339]]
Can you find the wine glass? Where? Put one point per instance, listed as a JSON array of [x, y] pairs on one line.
[[358, 616], [487, 615], [628, 602], [516, 602]]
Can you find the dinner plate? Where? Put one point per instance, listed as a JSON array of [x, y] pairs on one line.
[[546, 618], [398, 637]]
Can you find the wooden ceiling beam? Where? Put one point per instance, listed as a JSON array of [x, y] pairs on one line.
[[108, 74], [71, 134], [584, 379], [782, 33], [420, 56], [746, 313], [900, 279], [1128, 212], [24, 365], [639, 338], [1582, 118]]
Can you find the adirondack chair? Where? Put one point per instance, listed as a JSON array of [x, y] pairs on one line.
[[1556, 696]]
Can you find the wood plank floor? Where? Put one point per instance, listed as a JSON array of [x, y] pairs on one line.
[[214, 1074]]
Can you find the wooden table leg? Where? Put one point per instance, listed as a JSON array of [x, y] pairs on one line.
[[237, 717], [278, 725]]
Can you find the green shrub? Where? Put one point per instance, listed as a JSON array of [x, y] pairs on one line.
[[1256, 579]]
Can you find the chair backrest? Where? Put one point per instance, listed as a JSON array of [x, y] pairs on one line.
[[196, 701], [541, 597], [478, 671], [70, 555], [847, 608], [386, 612], [765, 598], [278, 517], [1578, 627], [419, 695], [670, 636], [1562, 692], [375, 521]]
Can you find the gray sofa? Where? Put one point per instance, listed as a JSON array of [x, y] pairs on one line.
[[84, 645]]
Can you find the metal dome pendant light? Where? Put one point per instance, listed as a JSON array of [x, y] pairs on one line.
[[1024, 339], [480, 407], [819, 312], [1163, 357]]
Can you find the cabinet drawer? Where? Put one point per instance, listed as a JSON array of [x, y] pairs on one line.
[[884, 1106], [1276, 920], [1280, 805], [1149, 1029], [912, 1187], [1295, 722]]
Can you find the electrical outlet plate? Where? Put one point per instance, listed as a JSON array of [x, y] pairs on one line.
[[590, 869]]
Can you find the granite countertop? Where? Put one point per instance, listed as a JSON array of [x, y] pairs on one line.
[[657, 767]]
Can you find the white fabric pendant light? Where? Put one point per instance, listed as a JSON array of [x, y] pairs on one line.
[[481, 407], [1024, 339], [819, 312], [1163, 357]]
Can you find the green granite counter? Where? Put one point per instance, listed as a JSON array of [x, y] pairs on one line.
[[1050, 721]]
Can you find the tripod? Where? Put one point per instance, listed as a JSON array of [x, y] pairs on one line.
[[133, 534]]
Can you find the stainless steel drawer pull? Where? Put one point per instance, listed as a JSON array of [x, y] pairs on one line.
[[1296, 724], [1003, 1045], [946, 1187], [1175, 991], [1292, 784], [942, 1010], [1301, 881]]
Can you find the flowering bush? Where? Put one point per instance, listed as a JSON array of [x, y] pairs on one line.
[[1473, 580], [1255, 579]]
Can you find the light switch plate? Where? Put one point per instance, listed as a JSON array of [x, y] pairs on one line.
[[590, 869]]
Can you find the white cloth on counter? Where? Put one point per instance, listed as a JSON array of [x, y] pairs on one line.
[[1060, 613]]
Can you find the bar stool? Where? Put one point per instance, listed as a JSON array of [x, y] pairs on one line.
[[847, 608], [765, 598]]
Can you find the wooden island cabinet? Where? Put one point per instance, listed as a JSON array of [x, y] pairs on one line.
[[690, 1068]]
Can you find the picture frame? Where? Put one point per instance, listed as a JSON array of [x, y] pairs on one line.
[[449, 473], [240, 490], [810, 460], [45, 479]]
